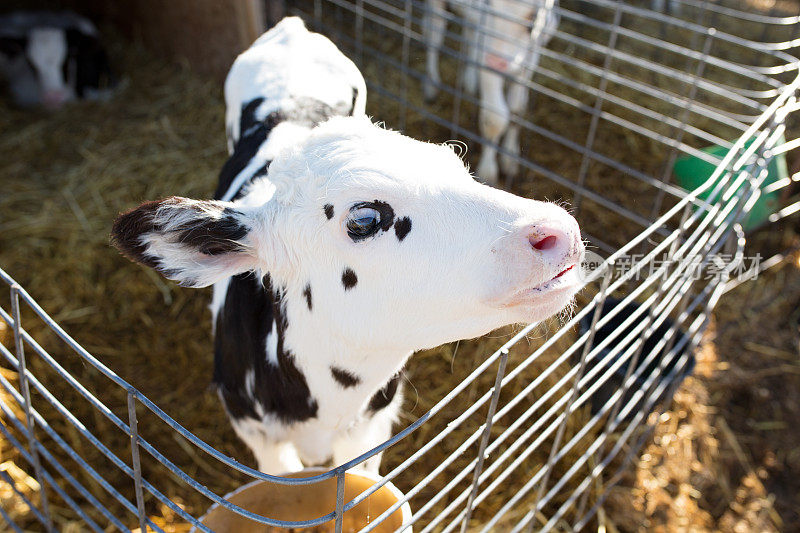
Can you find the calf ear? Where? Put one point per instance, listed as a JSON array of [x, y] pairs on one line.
[[195, 243]]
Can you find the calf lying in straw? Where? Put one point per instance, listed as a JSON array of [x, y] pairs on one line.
[[338, 249]]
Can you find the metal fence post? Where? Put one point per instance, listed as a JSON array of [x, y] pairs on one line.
[[26, 396], [573, 394], [136, 461], [501, 372], [597, 108], [339, 501]]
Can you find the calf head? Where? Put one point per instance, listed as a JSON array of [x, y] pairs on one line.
[[376, 238]]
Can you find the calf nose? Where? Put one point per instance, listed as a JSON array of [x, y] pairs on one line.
[[556, 243], [544, 244]]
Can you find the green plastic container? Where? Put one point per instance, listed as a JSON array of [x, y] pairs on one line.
[[691, 172]]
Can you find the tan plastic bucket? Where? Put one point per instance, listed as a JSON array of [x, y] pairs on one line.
[[306, 502]]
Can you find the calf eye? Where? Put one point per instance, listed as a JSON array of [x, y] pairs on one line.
[[363, 222]]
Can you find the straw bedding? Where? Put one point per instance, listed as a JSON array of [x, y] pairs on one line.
[[65, 177], [726, 456]]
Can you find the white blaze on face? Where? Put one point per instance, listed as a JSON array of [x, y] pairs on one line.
[[47, 51]]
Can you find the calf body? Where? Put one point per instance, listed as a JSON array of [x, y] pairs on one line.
[[288, 82], [506, 35], [332, 252], [49, 58]]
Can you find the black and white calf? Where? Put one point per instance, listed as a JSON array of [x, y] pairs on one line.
[[344, 248], [49, 58]]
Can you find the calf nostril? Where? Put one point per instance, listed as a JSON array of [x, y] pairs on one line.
[[544, 244]]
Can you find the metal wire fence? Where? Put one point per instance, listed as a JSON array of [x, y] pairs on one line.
[[536, 433]]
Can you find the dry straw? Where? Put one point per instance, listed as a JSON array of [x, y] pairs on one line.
[[67, 174]]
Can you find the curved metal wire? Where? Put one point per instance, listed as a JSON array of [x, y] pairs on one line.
[[504, 431]]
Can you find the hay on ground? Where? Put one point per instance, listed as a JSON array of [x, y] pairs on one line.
[[68, 174]]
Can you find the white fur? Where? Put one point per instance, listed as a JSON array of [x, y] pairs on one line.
[[283, 135], [272, 344], [511, 44], [289, 62], [218, 299]]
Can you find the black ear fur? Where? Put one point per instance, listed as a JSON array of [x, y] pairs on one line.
[[209, 227], [128, 229]]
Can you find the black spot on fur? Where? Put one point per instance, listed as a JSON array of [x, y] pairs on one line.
[[243, 327], [353, 103], [402, 227], [344, 378], [349, 279], [328, 211], [307, 294], [384, 397]]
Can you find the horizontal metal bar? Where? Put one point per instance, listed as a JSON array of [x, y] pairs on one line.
[[72, 454], [692, 332], [139, 396], [772, 50], [543, 398], [786, 59], [623, 343], [572, 62], [545, 172], [697, 327], [635, 422], [102, 448], [48, 478], [706, 229], [561, 453], [743, 15]]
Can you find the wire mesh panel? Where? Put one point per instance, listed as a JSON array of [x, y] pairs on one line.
[[618, 93], [531, 434]]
